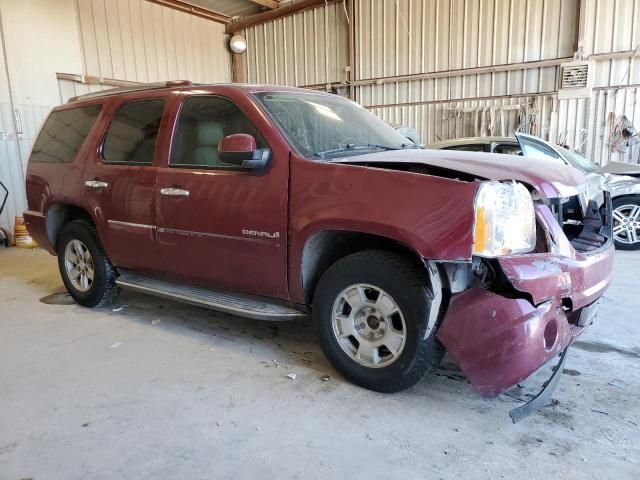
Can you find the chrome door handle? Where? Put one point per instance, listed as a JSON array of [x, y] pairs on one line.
[[174, 192], [95, 184]]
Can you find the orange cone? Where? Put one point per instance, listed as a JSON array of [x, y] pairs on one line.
[[21, 236]]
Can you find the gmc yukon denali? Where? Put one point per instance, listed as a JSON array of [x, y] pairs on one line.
[[277, 203]]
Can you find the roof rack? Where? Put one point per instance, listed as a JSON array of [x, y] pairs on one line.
[[133, 88]]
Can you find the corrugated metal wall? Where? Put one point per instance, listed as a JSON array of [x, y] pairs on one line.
[[131, 40], [460, 42], [403, 37], [308, 48], [616, 28], [482, 66], [141, 41]]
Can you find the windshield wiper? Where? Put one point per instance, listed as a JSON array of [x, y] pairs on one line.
[[356, 146]]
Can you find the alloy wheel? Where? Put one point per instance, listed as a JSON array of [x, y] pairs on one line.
[[79, 265], [369, 325], [626, 224]]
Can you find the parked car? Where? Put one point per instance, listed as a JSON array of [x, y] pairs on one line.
[[274, 203], [621, 179]]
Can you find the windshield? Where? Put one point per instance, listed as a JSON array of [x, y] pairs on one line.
[[329, 126], [580, 162]]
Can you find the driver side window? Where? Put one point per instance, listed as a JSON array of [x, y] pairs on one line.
[[203, 122]]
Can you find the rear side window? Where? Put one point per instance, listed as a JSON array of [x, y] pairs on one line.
[[133, 132], [63, 133]]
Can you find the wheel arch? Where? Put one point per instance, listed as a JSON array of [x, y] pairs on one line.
[[58, 215], [323, 248]]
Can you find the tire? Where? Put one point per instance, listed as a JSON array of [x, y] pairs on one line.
[[102, 289], [394, 276], [622, 208]]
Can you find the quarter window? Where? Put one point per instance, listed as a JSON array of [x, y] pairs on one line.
[[203, 122], [63, 133], [133, 133]]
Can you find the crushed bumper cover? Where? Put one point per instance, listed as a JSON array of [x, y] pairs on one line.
[[499, 340]]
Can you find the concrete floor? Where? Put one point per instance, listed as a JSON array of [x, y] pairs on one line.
[[162, 390]]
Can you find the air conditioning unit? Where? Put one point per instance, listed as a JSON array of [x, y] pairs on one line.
[[576, 79]]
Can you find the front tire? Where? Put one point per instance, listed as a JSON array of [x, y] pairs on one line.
[[626, 222], [371, 312], [85, 269]]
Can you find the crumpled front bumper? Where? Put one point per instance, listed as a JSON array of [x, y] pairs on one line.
[[499, 340]]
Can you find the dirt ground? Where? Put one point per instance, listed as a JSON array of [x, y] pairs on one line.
[[148, 388]]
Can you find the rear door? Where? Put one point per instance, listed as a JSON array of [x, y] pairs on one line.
[[119, 183], [217, 224]]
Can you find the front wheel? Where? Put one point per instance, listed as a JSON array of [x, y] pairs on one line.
[[371, 312], [85, 269], [626, 222]]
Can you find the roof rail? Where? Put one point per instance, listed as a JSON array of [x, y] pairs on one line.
[[131, 89]]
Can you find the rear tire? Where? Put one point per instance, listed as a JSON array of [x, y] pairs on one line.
[[85, 269], [626, 211], [371, 346]]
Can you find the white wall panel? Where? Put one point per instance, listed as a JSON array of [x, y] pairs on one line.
[[403, 37], [308, 48], [140, 41]]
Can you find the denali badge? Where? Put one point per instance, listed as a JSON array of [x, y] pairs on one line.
[[255, 233]]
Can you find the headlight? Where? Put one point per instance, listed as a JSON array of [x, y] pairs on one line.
[[505, 220]]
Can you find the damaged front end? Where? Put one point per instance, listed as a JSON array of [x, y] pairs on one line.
[[511, 314]]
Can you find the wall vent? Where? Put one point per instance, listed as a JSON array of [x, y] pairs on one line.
[[576, 80]]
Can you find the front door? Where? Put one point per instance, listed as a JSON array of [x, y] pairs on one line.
[[217, 224], [119, 185]]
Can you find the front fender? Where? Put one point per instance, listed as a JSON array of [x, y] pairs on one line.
[[433, 216], [620, 185]]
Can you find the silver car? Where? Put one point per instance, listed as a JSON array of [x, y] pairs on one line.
[[621, 179]]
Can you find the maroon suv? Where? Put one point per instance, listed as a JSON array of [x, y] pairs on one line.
[[274, 203]]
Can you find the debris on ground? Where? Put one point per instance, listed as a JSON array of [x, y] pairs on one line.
[[292, 376], [219, 424], [156, 321], [371, 436], [617, 383], [325, 378], [120, 308], [116, 345], [278, 364]]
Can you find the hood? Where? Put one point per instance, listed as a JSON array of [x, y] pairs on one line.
[[620, 168], [550, 178]]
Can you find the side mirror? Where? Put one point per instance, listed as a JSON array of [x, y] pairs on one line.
[[240, 150]]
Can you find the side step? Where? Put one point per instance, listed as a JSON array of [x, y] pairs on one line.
[[235, 304]]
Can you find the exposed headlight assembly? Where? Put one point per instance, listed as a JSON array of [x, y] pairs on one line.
[[505, 220]]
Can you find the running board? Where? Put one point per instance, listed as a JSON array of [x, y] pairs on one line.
[[233, 304]]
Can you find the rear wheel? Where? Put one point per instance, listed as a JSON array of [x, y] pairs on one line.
[[85, 269], [371, 311], [626, 222]]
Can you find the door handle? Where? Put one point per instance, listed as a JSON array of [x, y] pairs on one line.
[[174, 192], [96, 184]]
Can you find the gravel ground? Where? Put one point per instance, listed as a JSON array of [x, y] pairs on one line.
[[148, 388]]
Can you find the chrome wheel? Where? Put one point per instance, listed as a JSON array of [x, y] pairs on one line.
[[369, 325], [626, 224], [79, 265]]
